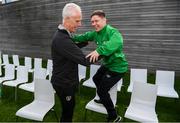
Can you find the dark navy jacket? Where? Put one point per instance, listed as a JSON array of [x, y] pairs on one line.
[[66, 56]]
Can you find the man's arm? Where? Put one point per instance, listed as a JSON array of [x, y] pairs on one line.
[[88, 36]]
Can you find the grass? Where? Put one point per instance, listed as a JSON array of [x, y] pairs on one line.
[[168, 109]]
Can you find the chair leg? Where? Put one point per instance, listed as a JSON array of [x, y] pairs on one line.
[[116, 106], [0, 90], [55, 114], [16, 118], [16, 94], [85, 114]]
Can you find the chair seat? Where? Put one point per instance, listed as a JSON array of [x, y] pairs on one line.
[[28, 87], [93, 106], [5, 79], [141, 113], [35, 110], [167, 92], [13, 83], [89, 83]]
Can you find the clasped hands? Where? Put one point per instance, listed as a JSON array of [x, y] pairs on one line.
[[93, 56]]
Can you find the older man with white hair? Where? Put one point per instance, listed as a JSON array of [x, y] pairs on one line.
[[66, 56]]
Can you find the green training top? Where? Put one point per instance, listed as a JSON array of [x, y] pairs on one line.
[[109, 45]]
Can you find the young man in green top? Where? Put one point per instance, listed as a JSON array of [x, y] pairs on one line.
[[114, 65]]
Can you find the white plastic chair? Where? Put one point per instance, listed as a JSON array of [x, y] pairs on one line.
[[89, 82], [81, 72], [165, 82], [15, 59], [137, 75], [5, 59], [9, 73], [93, 106], [39, 73], [142, 103], [42, 103], [22, 77], [49, 66]]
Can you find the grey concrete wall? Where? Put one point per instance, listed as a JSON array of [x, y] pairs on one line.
[[151, 28]]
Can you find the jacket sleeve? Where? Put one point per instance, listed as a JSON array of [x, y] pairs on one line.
[[68, 49], [88, 36], [115, 42]]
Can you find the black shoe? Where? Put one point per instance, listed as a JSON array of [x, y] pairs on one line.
[[98, 101]]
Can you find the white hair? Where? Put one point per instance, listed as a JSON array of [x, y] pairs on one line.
[[69, 9]]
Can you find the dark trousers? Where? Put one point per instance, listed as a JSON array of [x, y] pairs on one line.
[[104, 81], [67, 99]]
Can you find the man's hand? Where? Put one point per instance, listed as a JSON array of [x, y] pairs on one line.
[[93, 56]]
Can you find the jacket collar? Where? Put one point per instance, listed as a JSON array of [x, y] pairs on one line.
[[61, 27]]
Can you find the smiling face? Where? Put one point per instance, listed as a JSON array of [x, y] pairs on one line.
[[98, 22]]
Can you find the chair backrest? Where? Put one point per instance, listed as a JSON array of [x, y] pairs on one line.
[[50, 74], [49, 66], [28, 62], [93, 69], [22, 73], [120, 84], [44, 90], [5, 59], [39, 73], [37, 63], [139, 75], [165, 78], [113, 94], [10, 71], [81, 71], [15, 60], [144, 93]]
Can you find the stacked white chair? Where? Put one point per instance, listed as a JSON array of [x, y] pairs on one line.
[[137, 75], [42, 103], [39, 73], [93, 106], [165, 82], [142, 103], [21, 77]]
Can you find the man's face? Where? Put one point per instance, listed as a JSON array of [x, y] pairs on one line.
[[74, 21], [98, 22]]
